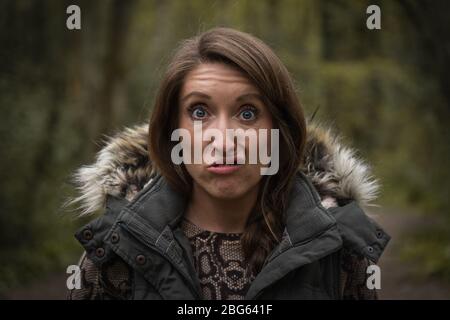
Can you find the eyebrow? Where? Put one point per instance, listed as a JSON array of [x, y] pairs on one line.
[[238, 99], [250, 95], [196, 93]]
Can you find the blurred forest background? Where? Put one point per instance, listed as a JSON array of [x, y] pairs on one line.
[[387, 91]]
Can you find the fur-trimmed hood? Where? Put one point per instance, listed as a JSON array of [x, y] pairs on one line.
[[122, 168]]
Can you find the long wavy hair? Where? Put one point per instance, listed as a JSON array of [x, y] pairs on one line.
[[259, 63]]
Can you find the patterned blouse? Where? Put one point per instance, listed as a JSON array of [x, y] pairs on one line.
[[219, 262]]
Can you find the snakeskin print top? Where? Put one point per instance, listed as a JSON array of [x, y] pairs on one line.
[[219, 262]]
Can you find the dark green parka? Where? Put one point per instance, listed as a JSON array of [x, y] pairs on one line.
[[136, 249]]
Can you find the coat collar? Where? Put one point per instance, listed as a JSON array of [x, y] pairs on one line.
[[160, 206], [122, 168]]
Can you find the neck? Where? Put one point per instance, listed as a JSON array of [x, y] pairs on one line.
[[220, 215]]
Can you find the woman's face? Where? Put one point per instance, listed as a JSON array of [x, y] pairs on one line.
[[221, 97]]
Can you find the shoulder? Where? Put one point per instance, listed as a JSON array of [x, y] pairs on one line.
[[345, 186], [361, 235]]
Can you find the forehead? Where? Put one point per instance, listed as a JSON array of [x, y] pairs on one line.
[[216, 76]]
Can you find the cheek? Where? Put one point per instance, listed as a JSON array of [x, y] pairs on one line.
[[195, 171]]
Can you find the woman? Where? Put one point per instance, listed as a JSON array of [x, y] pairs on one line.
[[223, 230]]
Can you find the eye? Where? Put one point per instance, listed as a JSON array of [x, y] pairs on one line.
[[198, 112], [248, 114]]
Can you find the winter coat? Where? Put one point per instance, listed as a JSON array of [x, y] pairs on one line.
[[136, 249]]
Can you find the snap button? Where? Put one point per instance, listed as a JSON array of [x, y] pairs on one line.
[[87, 234], [115, 237], [379, 234], [100, 252], [141, 259], [370, 249]]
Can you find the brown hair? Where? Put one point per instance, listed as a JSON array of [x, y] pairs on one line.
[[260, 64]]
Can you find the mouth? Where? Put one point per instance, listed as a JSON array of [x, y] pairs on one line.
[[223, 164], [223, 168]]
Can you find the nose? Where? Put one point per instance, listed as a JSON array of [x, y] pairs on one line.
[[224, 144]]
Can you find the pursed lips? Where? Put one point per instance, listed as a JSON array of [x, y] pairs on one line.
[[224, 168], [226, 162]]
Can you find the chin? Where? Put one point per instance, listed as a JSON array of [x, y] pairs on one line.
[[226, 194], [225, 187], [228, 189]]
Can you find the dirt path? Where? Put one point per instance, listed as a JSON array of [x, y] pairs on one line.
[[397, 279], [52, 287], [397, 282]]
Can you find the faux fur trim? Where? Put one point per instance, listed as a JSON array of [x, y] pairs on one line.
[[122, 168], [336, 170]]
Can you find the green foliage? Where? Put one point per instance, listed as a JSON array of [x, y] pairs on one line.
[[60, 91]]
